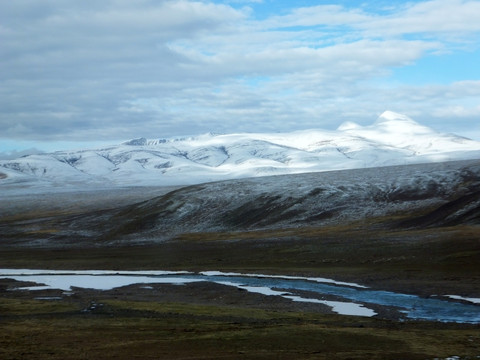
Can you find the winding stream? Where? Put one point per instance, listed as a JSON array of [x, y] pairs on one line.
[[355, 298]]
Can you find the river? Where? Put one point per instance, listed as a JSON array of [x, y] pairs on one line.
[[353, 299]]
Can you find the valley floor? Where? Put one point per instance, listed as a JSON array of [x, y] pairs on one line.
[[200, 322], [207, 321]]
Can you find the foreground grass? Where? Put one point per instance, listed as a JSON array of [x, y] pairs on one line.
[[148, 330]]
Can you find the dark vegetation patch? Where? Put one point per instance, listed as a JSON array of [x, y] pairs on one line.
[[322, 215], [464, 209], [130, 322], [420, 190], [264, 210]]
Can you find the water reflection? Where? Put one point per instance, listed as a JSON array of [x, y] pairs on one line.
[[357, 298]]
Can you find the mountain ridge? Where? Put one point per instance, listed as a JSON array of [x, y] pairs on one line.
[[393, 139], [397, 198]]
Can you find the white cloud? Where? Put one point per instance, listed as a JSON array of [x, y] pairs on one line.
[[322, 15], [121, 69], [436, 16]]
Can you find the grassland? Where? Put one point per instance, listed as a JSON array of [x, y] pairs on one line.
[[425, 262], [228, 326], [130, 329], [410, 251]]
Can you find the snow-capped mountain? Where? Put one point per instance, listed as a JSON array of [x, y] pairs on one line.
[[393, 139]]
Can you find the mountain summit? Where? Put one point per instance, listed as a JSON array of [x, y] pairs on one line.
[[397, 123], [393, 139], [390, 116], [389, 122]]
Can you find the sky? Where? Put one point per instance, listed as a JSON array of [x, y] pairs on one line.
[[76, 74]]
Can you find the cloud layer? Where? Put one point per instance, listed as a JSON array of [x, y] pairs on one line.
[[118, 69]]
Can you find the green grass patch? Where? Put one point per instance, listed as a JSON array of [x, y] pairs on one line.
[[144, 330], [31, 307]]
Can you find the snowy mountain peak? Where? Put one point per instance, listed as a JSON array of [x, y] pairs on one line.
[[394, 139], [136, 142], [154, 142], [395, 123], [389, 116]]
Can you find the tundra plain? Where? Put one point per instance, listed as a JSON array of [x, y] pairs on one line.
[[412, 229]]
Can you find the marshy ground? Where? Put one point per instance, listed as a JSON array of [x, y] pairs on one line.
[[207, 321], [195, 321]]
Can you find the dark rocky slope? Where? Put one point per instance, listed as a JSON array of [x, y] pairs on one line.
[[413, 196]]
